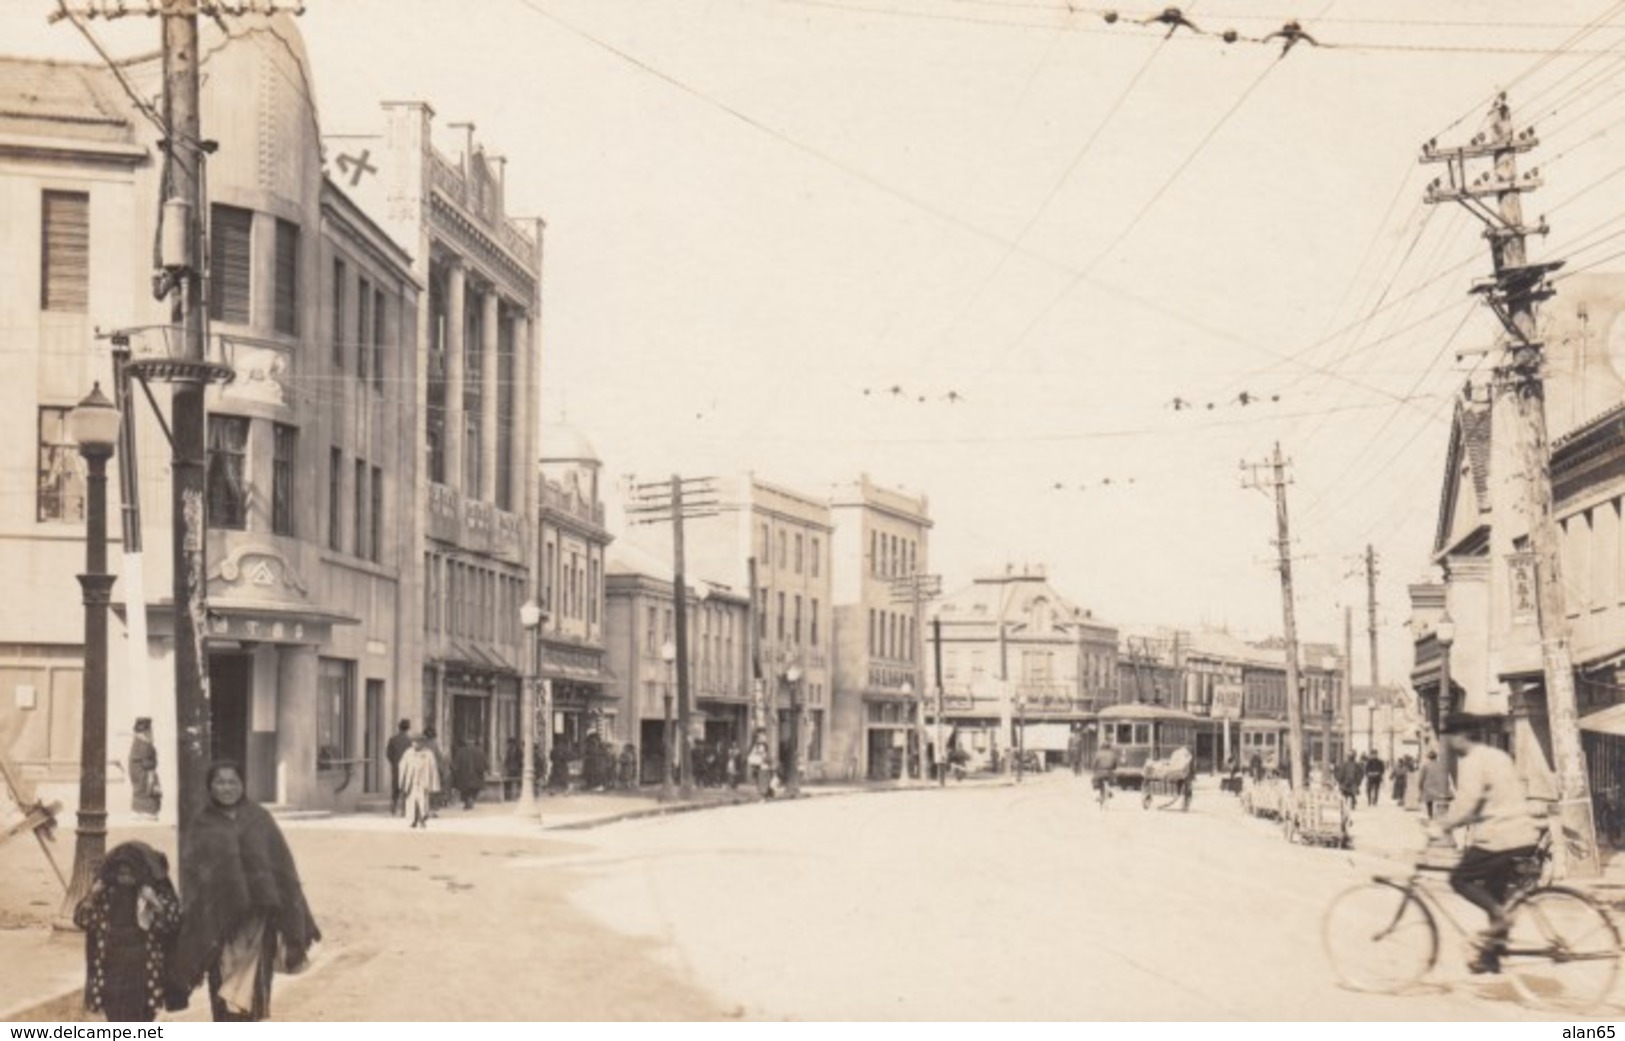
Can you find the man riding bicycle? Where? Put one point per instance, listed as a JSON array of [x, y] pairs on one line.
[[1490, 797], [1104, 768]]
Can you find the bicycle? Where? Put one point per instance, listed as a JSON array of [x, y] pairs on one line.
[[1562, 949]]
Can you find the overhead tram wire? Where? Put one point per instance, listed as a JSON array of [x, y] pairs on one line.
[[1049, 197], [1190, 157], [1067, 6]]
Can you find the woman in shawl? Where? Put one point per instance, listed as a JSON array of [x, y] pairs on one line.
[[243, 912], [130, 917]]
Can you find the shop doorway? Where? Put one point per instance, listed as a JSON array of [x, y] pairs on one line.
[[372, 737], [651, 750], [231, 691], [885, 761], [467, 722]]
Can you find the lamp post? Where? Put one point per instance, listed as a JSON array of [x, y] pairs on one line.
[[531, 617], [94, 426], [668, 654], [908, 693], [1444, 631], [792, 781], [1021, 736]]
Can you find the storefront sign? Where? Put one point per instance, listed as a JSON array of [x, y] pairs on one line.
[[1227, 700], [1521, 585]]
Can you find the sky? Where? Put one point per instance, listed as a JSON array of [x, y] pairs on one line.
[[1041, 226]]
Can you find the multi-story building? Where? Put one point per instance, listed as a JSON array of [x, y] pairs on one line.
[[571, 561], [781, 537], [1017, 655], [643, 684], [1478, 624], [478, 350], [314, 310], [881, 545]]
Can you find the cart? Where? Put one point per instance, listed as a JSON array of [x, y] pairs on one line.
[[1317, 816], [1267, 798], [1169, 777]]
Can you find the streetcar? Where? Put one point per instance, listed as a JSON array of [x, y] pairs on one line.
[[1141, 733]]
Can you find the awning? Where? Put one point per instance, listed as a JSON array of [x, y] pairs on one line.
[[1610, 721]]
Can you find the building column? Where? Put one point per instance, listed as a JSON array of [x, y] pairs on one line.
[[523, 458], [490, 394], [296, 707], [456, 307]]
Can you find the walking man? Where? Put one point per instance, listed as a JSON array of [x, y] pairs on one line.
[[468, 769], [1373, 778], [397, 746], [420, 780]]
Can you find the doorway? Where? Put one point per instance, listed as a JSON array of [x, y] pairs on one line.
[[231, 690], [372, 738], [467, 722]]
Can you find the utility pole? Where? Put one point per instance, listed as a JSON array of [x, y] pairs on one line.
[[915, 589], [1348, 679], [936, 654], [1512, 293], [663, 501], [1283, 542], [1378, 691]]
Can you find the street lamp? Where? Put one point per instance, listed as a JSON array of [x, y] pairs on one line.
[[531, 617], [668, 654], [94, 427], [1021, 736], [792, 781]]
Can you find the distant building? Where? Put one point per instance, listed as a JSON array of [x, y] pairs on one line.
[[1022, 664], [881, 541], [571, 571]]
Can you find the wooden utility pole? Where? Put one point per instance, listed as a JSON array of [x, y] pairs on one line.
[[1348, 679], [1371, 609], [663, 501], [914, 590], [1283, 541], [1512, 293]]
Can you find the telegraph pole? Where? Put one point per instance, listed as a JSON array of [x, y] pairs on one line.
[[663, 501], [1348, 679], [1512, 293], [936, 658], [915, 589], [1371, 609], [1283, 541]]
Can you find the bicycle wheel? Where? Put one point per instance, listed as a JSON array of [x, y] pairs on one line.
[[1562, 950], [1379, 938]]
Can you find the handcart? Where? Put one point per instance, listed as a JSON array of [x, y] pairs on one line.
[[1317, 816]]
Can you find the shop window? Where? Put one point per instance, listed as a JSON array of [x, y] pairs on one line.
[[335, 712], [60, 484]]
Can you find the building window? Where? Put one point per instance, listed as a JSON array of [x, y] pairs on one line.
[[227, 473], [379, 332], [340, 274], [799, 560], [473, 395], [817, 557], [813, 625], [376, 515], [815, 735], [435, 419], [784, 551], [283, 459], [874, 553], [761, 613], [286, 289], [335, 498], [359, 546], [506, 396], [766, 552], [781, 618], [231, 263], [795, 632], [60, 489], [649, 644], [363, 329], [592, 593], [65, 252], [335, 715]]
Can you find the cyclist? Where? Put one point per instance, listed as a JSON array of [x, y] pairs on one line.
[[1104, 769], [1490, 797]]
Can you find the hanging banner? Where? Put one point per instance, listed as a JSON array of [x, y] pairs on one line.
[[1521, 587]]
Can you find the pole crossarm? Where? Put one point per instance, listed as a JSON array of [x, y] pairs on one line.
[[111, 10]]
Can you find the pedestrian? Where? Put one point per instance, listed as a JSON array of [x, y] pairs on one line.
[[730, 763], [243, 912], [420, 779], [468, 769], [1373, 778], [1074, 752], [1349, 773], [558, 773], [130, 918], [397, 746], [757, 762], [1255, 766], [1401, 773], [629, 767], [442, 764], [1435, 784], [513, 768], [146, 795]]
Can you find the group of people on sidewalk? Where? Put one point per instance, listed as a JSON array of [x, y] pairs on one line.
[[239, 917]]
